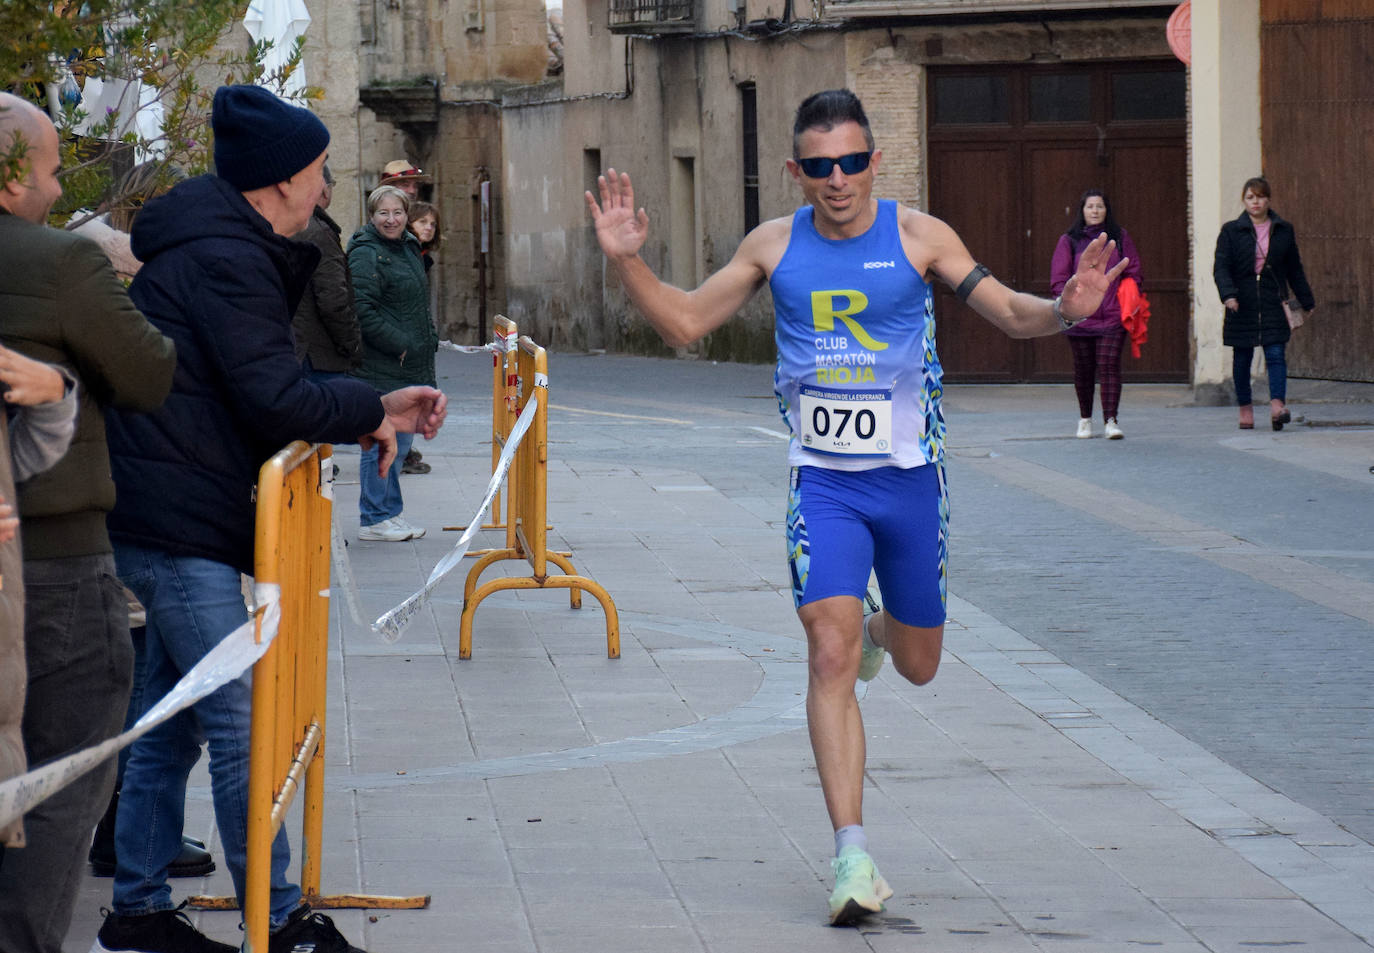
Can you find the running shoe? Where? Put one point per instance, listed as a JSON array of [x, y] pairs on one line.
[[167, 931], [1085, 428], [1114, 431], [872, 658], [859, 889], [308, 932]]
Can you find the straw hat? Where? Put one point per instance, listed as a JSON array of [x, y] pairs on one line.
[[400, 170]]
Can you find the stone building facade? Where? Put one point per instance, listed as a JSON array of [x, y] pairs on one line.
[[695, 99], [669, 108]]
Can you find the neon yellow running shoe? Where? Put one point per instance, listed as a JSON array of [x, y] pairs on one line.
[[859, 889], [872, 658]]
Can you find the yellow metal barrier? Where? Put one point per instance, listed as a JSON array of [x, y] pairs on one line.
[[504, 335], [527, 509], [289, 686]]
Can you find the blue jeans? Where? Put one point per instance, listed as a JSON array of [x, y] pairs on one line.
[[380, 499], [76, 632], [319, 377], [192, 604], [1274, 363]]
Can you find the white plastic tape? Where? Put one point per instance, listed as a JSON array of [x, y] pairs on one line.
[[327, 477], [343, 568], [469, 348], [391, 623], [234, 655]]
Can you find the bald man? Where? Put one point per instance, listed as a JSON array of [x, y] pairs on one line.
[[60, 302]]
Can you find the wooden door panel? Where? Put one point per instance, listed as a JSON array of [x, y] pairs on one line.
[[1010, 192], [1150, 179], [1317, 120], [969, 347], [1056, 175]]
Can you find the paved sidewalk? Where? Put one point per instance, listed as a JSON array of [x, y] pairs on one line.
[[1150, 729]]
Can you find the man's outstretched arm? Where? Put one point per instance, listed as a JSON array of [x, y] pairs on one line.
[[681, 317], [1019, 314]]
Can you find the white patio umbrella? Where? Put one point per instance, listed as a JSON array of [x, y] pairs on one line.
[[136, 109], [282, 22], [120, 94]]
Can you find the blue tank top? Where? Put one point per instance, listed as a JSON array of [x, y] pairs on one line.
[[858, 380]]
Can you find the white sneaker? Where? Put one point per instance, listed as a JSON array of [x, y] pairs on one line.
[[1085, 428], [871, 659], [392, 530], [415, 531], [859, 889], [1113, 431]]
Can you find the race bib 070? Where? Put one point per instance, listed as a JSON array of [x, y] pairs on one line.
[[850, 422]]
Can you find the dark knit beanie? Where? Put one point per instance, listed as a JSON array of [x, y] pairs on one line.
[[261, 140]]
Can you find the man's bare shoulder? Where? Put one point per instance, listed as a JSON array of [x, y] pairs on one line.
[[928, 240], [763, 247], [922, 225]]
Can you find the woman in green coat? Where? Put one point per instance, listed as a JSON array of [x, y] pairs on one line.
[[399, 343]]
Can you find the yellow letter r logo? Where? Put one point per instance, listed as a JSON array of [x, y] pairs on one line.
[[824, 311]]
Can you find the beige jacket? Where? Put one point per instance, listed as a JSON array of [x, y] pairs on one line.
[[13, 674]]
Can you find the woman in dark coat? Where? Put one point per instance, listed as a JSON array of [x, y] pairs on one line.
[[399, 343], [1257, 263]]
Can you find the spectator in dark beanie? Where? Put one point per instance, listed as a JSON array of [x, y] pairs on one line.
[[222, 280]]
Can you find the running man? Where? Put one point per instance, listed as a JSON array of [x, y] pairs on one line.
[[858, 382]]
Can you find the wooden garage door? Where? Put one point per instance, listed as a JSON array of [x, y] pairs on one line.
[[1011, 150], [1317, 98]]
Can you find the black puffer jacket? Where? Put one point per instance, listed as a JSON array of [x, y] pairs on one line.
[[326, 322], [1260, 320], [222, 285]]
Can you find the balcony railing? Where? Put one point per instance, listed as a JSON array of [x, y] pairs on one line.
[[653, 16], [907, 8]]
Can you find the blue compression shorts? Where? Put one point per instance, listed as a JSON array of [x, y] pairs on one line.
[[892, 521]]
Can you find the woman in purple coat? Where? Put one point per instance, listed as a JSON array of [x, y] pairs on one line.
[[1096, 342]]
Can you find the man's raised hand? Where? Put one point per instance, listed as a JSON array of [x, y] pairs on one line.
[[620, 229], [1084, 292]]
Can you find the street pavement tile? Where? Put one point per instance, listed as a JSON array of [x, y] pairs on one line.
[[586, 860], [1140, 922], [1044, 792], [1253, 923], [943, 923], [1212, 872], [797, 930]]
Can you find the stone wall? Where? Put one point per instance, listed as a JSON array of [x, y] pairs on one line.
[[683, 109]]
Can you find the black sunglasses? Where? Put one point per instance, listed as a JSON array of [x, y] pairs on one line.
[[820, 167]]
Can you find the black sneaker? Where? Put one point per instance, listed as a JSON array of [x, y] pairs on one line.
[[306, 932], [167, 931]]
